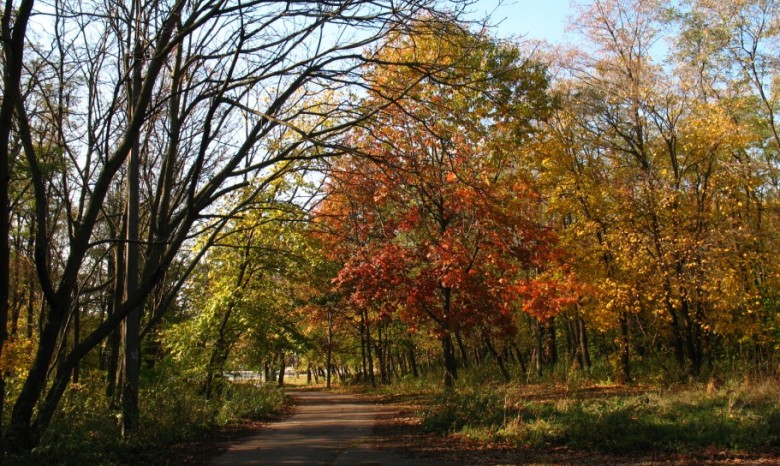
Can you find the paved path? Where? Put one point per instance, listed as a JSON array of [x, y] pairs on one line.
[[326, 429]]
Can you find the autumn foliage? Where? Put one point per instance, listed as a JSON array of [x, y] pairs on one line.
[[434, 219]]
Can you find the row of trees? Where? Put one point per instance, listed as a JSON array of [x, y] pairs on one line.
[[533, 206], [374, 187], [622, 196], [132, 134]]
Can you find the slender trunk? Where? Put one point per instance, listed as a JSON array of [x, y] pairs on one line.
[[551, 346], [403, 364], [132, 325], [31, 286], [448, 349], [379, 350], [363, 347], [76, 337], [117, 262], [625, 355], [218, 356], [539, 349], [499, 359], [13, 49], [677, 340], [413, 362], [450, 365], [21, 435], [281, 369], [18, 294], [519, 358], [329, 353], [369, 357], [462, 348], [583, 341], [577, 335], [692, 344]]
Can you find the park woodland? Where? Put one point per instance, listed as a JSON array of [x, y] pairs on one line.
[[206, 200]]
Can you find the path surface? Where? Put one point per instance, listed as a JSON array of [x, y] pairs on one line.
[[326, 429]]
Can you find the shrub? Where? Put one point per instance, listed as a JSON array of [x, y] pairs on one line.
[[452, 411], [85, 430]]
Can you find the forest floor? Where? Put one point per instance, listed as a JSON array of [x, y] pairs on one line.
[[404, 431], [397, 433]]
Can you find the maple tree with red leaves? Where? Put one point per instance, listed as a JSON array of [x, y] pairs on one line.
[[435, 220]]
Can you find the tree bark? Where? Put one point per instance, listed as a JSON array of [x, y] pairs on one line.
[[13, 36], [625, 354], [329, 351], [450, 364], [282, 367], [413, 361], [369, 356], [131, 331], [499, 359], [462, 347]]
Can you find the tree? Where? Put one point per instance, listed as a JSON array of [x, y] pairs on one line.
[[223, 97], [13, 30], [642, 165], [242, 295], [444, 227]]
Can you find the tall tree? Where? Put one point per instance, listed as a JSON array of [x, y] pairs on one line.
[[445, 225], [14, 31], [225, 95]]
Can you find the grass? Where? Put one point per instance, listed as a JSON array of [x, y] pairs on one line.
[[740, 416]]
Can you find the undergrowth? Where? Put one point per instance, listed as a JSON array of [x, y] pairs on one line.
[[739, 416], [85, 430]]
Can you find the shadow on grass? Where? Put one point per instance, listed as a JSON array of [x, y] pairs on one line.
[[670, 422]]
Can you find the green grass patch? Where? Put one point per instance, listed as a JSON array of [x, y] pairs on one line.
[[738, 417]]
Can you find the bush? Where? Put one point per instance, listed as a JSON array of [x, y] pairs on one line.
[[86, 428], [452, 411], [246, 401]]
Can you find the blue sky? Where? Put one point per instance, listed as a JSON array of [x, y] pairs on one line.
[[536, 19]]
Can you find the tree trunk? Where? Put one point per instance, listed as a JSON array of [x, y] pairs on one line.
[[463, 354], [329, 353], [369, 357], [583, 342], [550, 344], [13, 48], [539, 349], [218, 356], [413, 361], [281, 369], [76, 337], [450, 364], [132, 325], [499, 359], [677, 339], [520, 359], [364, 363], [21, 435], [625, 354], [692, 341], [381, 353]]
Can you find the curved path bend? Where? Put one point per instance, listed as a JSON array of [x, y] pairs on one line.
[[327, 429]]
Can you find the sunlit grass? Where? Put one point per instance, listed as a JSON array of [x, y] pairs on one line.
[[738, 416]]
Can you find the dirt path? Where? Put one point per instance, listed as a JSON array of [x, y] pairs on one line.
[[326, 429]]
